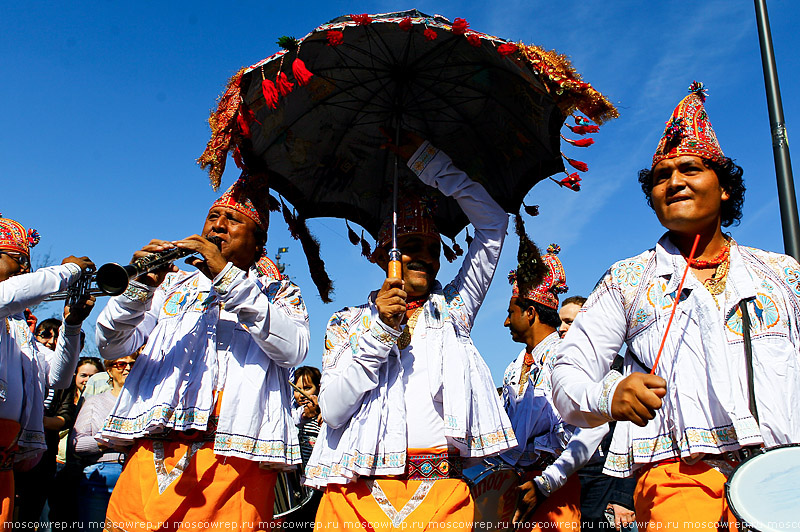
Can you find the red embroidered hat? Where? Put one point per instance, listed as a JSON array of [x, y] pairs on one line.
[[242, 197], [689, 130], [14, 237], [554, 283]]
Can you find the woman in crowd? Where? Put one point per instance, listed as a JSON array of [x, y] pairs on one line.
[[102, 465]]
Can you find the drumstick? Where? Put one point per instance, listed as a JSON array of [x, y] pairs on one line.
[[675, 303], [301, 392]]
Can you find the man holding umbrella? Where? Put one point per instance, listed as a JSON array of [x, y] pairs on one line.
[[405, 395], [688, 429]]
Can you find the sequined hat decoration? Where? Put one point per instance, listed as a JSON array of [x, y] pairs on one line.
[[554, 283], [14, 237], [414, 217], [244, 197], [689, 131]]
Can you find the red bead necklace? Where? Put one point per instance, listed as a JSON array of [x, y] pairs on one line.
[[713, 263], [415, 303]]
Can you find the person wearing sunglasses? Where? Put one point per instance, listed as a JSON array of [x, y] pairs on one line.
[[26, 371], [102, 465]]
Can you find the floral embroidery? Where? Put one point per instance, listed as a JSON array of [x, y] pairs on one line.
[[628, 273], [641, 315], [424, 158], [137, 292], [609, 381], [792, 278]]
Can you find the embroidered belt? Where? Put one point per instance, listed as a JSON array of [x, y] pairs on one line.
[[433, 466], [724, 463]]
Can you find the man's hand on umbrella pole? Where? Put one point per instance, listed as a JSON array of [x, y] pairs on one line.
[[409, 143], [391, 302]]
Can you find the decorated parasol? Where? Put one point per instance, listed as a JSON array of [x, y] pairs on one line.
[[309, 118]]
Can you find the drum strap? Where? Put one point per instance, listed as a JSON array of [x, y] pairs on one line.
[[748, 354]]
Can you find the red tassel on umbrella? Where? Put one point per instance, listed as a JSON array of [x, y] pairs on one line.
[[405, 24], [581, 143], [300, 72], [241, 121], [582, 121], [237, 158], [449, 254], [507, 48], [335, 37], [582, 130], [284, 85], [270, 93], [430, 34], [474, 40], [351, 234], [361, 20], [460, 26], [468, 238], [577, 165]]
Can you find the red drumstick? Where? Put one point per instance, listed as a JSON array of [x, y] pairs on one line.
[[675, 303]]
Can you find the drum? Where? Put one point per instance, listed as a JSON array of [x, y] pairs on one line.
[[764, 492], [290, 494], [493, 483]]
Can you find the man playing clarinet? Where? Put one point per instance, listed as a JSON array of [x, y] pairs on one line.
[[206, 407]]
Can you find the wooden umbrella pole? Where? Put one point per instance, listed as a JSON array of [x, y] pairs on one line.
[[675, 303]]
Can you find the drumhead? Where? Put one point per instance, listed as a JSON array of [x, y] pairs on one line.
[[764, 491], [493, 485]]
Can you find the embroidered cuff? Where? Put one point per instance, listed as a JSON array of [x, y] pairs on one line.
[[74, 270], [383, 333], [609, 387], [422, 157], [544, 485], [138, 291], [224, 280]]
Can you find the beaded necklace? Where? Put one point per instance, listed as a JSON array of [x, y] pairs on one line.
[[715, 262], [405, 337]]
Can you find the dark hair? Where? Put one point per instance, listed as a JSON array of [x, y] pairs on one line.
[[547, 315], [574, 300], [730, 179], [313, 374], [91, 361], [50, 324]]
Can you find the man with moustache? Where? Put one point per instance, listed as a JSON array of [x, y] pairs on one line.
[[405, 395], [692, 419], [206, 408]]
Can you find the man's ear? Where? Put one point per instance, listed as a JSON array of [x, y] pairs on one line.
[[530, 313]]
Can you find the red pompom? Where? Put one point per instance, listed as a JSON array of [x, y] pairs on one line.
[[507, 48], [460, 26], [335, 37], [533, 210], [430, 34], [270, 93], [405, 24], [361, 20], [474, 40], [284, 85], [300, 72], [578, 165]]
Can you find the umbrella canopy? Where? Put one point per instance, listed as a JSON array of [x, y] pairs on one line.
[[496, 108]]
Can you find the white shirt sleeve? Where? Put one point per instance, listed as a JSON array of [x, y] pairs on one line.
[[127, 321], [583, 384], [349, 373], [580, 449], [22, 291], [436, 169], [280, 327]]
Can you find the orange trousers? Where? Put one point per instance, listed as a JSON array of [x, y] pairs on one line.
[[559, 511], [677, 496], [234, 492], [407, 504], [9, 431]]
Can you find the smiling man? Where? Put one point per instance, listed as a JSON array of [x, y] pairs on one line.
[[405, 395], [206, 408], [687, 430]]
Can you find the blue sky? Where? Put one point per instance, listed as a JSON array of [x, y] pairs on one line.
[[107, 102]]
